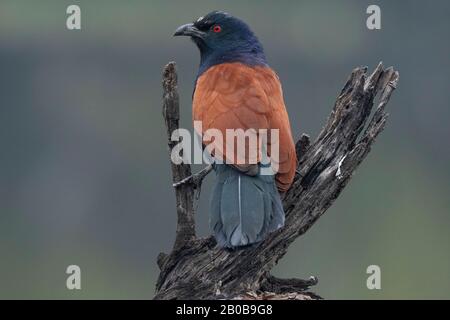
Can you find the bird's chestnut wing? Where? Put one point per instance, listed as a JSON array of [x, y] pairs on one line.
[[236, 96]]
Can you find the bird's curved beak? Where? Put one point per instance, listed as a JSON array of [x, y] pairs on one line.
[[189, 30]]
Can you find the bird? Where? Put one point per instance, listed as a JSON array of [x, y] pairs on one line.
[[235, 88]]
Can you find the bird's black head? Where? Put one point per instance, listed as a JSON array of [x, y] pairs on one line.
[[222, 38]]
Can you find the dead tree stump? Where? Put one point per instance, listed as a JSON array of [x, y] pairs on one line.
[[197, 269]]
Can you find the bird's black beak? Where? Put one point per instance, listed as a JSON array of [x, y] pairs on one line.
[[189, 30]]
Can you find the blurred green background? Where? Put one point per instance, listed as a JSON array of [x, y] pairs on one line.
[[84, 171]]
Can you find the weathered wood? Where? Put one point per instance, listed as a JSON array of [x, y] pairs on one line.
[[198, 269], [184, 194]]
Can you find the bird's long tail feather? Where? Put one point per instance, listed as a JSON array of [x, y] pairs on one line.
[[244, 209]]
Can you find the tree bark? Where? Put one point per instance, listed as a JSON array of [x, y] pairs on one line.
[[198, 269]]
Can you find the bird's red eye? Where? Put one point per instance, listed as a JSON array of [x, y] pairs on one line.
[[217, 28]]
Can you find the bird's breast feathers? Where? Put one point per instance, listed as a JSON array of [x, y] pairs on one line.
[[238, 96]]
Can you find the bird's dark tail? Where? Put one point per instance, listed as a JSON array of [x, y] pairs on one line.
[[244, 209]]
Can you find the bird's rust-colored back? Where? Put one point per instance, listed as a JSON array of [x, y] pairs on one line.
[[238, 96]]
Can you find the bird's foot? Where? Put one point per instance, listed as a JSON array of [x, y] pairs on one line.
[[195, 179]]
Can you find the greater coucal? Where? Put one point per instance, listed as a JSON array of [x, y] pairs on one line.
[[236, 89]]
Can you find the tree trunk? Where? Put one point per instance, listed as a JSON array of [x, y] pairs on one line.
[[198, 269]]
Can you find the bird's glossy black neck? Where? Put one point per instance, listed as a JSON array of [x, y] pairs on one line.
[[251, 54]]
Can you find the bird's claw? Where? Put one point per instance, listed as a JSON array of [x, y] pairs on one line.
[[195, 179]]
